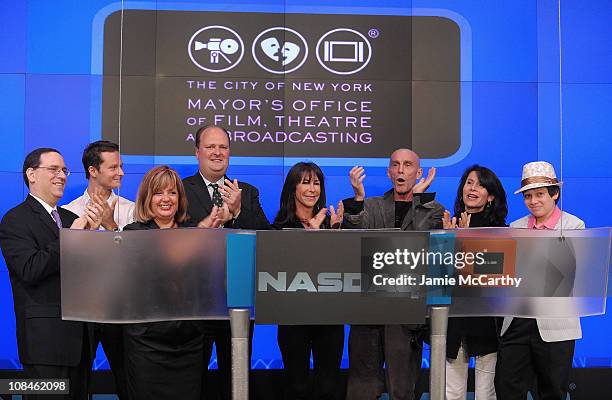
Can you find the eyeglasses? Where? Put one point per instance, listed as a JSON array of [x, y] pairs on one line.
[[55, 170]]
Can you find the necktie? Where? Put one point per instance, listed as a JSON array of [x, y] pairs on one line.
[[57, 218], [216, 196]]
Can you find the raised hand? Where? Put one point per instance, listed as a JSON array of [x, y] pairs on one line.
[[357, 175], [336, 218], [424, 183]]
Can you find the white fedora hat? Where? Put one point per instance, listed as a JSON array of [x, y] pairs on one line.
[[538, 174]]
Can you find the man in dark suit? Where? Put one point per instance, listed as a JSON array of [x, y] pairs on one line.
[[239, 201], [29, 235], [213, 153]]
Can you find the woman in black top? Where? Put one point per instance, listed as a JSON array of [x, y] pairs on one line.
[[480, 202], [302, 205], [164, 359]]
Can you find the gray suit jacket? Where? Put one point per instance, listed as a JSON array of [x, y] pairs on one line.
[[557, 329], [379, 212]]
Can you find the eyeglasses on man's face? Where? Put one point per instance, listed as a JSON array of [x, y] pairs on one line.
[[55, 170]]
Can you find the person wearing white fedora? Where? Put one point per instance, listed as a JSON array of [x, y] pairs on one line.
[[540, 347]]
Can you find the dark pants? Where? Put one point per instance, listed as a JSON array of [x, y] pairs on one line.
[[163, 360], [111, 337], [296, 343], [220, 333], [522, 354], [370, 347], [78, 376]]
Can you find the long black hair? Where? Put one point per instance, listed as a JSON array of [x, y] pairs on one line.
[[286, 212], [494, 213]]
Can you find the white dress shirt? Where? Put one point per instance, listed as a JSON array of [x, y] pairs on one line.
[[47, 207], [220, 182], [124, 210]]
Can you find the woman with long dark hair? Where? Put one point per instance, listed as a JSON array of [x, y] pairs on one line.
[[302, 205], [480, 202]]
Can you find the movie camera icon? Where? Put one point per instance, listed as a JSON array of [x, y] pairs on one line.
[[216, 48]]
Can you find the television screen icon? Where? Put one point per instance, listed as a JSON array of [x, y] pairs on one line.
[[332, 48], [343, 51]]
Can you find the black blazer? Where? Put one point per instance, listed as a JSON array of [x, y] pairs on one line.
[[29, 239], [200, 204], [479, 334], [161, 336]]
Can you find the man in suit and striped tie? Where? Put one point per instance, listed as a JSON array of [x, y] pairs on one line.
[[238, 208]]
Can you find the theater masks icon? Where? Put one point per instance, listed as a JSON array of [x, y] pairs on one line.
[[285, 54]]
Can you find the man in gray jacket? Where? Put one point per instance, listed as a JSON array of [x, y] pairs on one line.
[[540, 347], [405, 206]]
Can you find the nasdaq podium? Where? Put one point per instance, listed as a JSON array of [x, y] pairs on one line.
[[332, 277]]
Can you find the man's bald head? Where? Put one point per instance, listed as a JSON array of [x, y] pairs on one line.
[[404, 170], [405, 154]]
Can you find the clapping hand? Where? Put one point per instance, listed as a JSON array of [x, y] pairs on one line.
[[463, 222], [93, 215], [447, 221], [336, 217], [217, 217], [108, 211], [316, 221], [232, 196], [79, 223]]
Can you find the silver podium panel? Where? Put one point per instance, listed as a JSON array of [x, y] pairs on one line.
[[553, 276], [143, 276]]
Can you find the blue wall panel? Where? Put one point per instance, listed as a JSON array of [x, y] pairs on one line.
[[586, 31], [586, 131], [12, 108], [13, 36], [57, 115]]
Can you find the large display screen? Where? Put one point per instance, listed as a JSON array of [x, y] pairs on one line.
[[294, 85]]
